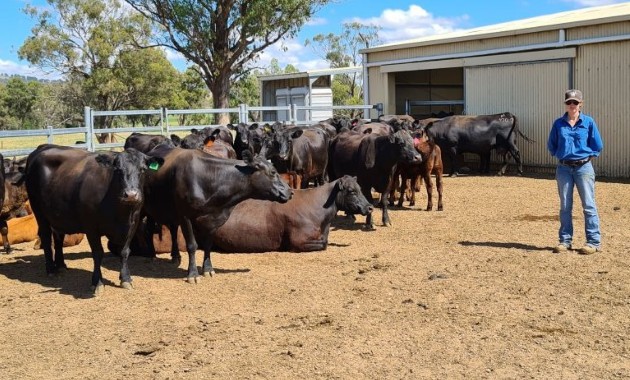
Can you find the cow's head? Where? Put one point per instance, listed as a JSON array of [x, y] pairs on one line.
[[408, 153], [350, 198], [265, 183], [129, 167]]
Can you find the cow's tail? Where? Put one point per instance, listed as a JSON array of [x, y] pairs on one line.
[[516, 129]]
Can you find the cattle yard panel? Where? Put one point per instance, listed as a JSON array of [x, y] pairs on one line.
[[163, 126]]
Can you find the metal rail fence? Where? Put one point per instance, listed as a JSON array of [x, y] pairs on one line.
[[163, 125]]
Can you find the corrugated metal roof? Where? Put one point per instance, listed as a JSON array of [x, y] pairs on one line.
[[313, 73], [580, 17]]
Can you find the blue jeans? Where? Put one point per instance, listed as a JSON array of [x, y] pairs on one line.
[[583, 178]]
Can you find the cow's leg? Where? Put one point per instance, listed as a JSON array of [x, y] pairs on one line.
[[369, 223], [97, 257], [484, 163], [438, 185], [176, 257], [191, 248], [45, 237], [414, 187], [384, 202], [207, 268], [401, 192], [4, 230], [452, 153], [59, 260], [517, 157], [429, 185]]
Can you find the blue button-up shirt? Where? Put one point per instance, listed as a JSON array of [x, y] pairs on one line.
[[574, 143]]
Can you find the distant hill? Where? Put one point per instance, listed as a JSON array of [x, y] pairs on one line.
[[4, 78]]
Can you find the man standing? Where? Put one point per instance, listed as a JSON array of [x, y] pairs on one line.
[[574, 140]]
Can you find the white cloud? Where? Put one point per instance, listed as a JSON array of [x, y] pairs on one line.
[[316, 21], [399, 25], [295, 54], [14, 68], [593, 3]]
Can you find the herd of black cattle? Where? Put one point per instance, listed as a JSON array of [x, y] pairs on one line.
[[239, 188]]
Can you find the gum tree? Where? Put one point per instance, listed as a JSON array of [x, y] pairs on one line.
[[221, 37]]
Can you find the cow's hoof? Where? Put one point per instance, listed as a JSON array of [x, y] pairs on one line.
[[127, 285], [440, 208], [98, 289], [387, 224], [198, 280], [176, 260], [209, 274]]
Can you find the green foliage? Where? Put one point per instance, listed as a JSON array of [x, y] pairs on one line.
[[94, 43], [343, 50], [18, 101], [222, 36]]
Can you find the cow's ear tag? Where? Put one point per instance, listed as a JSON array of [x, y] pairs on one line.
[[154, 166]]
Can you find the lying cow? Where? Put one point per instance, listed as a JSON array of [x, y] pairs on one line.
[[13, 199], [477, 134], [99, 194], [197, 191], [23, 229], [300, 225]]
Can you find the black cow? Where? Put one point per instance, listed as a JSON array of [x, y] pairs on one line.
[[300, 225], [372, 158], [13, 198], [302, 150], [144, 142], [99, 194], [248, 137], [4, 230], [197, 191], [477, 134], [195, 139]]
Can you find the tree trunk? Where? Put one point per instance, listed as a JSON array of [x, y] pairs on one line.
[[220, 97]]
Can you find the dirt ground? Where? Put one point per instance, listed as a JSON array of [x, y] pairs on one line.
[[471, 292]]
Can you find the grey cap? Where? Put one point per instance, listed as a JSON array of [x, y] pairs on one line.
[[573, 95]]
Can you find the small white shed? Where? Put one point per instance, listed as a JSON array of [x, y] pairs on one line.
[[308, 88]]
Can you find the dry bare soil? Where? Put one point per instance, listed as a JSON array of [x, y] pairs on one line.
[[471, 292]]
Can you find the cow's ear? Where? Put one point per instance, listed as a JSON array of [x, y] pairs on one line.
[[370, 154], [104, 160], [209, 139], [230, 126], [176, 139], [154, 163], [247, 156], [367, 131], [253, 126], [297, 134]]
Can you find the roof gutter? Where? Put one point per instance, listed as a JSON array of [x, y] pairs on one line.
[[562, 42]]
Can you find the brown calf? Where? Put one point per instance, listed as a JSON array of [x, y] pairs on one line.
[[410, 173]]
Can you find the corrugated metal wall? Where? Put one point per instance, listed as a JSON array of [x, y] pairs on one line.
[[467, 46], [534, 92], [602, 72]]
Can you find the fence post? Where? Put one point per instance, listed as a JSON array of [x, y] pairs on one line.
[[293, 113], [243, 113], [50, 134], [89, 129], [379, 109]]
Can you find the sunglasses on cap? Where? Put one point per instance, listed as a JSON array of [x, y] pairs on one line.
[[574, 102]]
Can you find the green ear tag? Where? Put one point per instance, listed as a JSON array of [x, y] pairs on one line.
[[154, 166]]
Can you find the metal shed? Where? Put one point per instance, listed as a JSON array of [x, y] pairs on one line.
[[310, 87], [522, 67]]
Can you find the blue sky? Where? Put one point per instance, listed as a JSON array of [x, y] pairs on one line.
[[399, 19]]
